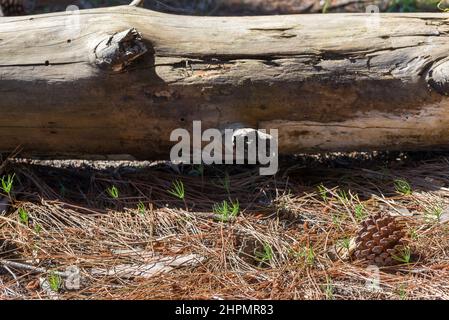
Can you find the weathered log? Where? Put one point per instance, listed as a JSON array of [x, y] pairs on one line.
[[119, 80]]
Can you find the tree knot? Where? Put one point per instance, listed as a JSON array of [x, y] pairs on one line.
[[119, 50], [438, 77]]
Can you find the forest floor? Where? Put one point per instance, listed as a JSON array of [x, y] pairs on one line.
[[277, 237]]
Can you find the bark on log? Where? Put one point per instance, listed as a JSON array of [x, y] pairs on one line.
[[123, 80]]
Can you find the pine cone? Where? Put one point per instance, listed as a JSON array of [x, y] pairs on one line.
[[379, 240]]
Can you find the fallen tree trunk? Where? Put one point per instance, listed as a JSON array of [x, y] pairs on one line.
[[327, 82]]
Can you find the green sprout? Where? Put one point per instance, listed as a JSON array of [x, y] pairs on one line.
[[177, 190], [329, 289], [55, 281], [113, 192], [434, 214], [337, 220], [342, 196], [404, 255], [141, 208], [37, 228], [402, 292], [345, 243], [402, 187], [323, 192], [360, 213], [7, 183], [413, 234], [226, 210], [266, 256], [24, 217], [308, 254]]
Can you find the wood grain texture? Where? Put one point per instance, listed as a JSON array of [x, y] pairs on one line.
[[327, 82]]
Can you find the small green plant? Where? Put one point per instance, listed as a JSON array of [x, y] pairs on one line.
[[141, 208], [227, 210], [402, 187], [402, 292], [343, 197], [113, 192], [359, 212], [177, 189], [413, 234], [337, 220], [329, 289], [24, 217], [55, 281], [434, 213], [266, 256], [404, 255], [345, 243], [37, 228], [7, 182], [323, 192], [308, 254]]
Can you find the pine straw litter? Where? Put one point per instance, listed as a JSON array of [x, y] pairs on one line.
[[64, 235]]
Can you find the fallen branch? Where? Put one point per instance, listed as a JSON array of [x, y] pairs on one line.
[[119, 80], [149, 269]]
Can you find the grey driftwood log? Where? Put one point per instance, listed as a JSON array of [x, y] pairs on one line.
[[120, 80]]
